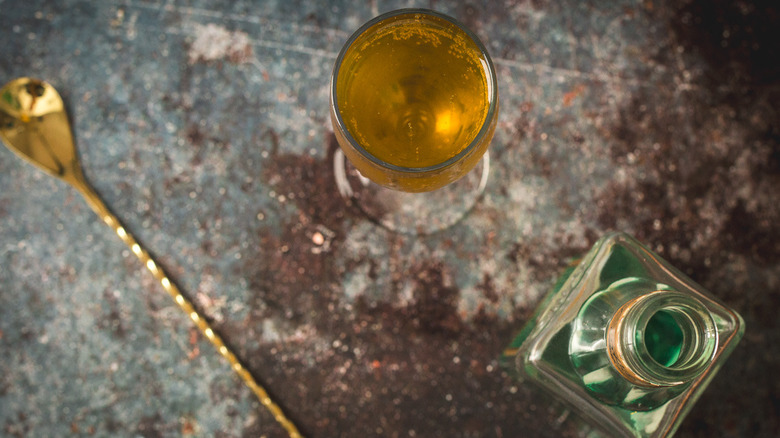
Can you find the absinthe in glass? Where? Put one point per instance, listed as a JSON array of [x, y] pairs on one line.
[[413, 90]]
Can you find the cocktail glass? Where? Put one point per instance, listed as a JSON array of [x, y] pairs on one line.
[[414, 105]]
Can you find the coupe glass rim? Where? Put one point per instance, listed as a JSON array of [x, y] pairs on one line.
[[490, 76]]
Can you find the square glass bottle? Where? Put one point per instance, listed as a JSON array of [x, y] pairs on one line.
[[627, 339]]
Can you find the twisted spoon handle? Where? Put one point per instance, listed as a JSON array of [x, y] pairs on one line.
[[103, 212]]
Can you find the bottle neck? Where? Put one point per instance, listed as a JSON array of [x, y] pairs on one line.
[[662, 338]]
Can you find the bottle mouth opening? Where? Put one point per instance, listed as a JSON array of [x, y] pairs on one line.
[[663, 338]]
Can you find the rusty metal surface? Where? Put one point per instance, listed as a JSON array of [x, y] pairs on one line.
[[204, 126]]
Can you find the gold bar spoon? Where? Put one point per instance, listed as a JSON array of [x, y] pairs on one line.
[[34, 124]]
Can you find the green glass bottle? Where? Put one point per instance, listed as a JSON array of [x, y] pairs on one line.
[[628, 339]]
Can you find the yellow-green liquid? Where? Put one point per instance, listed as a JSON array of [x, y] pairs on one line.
[[413, 92]]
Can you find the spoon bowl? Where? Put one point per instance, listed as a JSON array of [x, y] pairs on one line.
[[34, 124]]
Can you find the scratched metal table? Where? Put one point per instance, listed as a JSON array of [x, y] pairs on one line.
[[204, 126]]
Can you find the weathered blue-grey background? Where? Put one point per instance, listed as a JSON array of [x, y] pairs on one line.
[[204, 126]]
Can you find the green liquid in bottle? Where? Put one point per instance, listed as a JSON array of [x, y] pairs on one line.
[[663, 338]]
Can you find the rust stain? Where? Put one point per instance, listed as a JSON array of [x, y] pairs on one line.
[[569, 97], [189, 427], [194, 337]]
